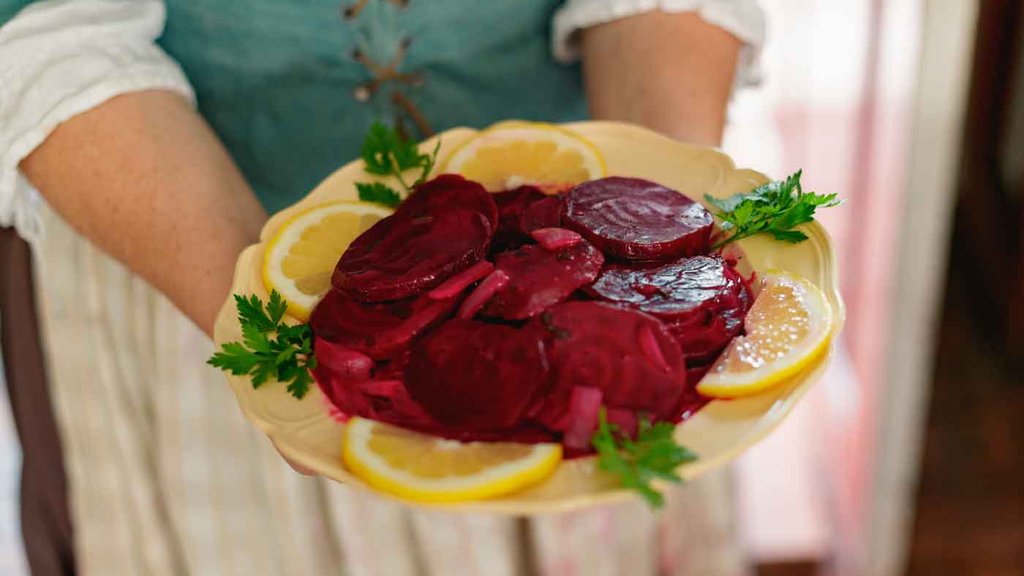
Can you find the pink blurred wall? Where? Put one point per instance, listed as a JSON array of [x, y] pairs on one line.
[[839, 85]]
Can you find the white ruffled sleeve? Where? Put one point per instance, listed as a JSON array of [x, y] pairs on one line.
[[59, 58], [741, 18]]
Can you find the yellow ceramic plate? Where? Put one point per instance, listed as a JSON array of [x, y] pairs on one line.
[[306, 433]]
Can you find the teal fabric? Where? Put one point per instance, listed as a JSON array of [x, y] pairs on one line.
[[10, 8], [279, 80]]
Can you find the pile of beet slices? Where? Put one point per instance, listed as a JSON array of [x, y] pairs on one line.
[[517, 315]]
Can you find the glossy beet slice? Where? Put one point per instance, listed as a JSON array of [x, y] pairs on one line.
[[702, 300], [400, 257], [477, 376], [544, 213], [449, 191], [539, 278], [674, 291], [441, 230], [377, 330], [511, 204], [629, 356], [635, 219]]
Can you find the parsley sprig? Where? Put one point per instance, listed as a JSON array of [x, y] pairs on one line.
[[386, 153], [654, 454], [269, 347], [775, 208]]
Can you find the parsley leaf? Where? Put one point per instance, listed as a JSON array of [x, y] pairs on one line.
[[386, 153], [269, 347], [377, 148], [654, 454], [775, 208], [378, 193]]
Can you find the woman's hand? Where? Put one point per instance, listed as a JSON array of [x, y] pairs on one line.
[[670, 72], [144, 178]]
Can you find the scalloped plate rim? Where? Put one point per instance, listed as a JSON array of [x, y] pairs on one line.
[[283, 435]]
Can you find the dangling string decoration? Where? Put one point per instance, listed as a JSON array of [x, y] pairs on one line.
[[385, 69]]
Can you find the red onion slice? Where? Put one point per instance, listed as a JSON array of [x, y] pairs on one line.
[[476, 300], [583, 415], [456, 284], [554, 239]]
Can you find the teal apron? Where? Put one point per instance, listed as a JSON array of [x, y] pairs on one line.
[[291, 86]]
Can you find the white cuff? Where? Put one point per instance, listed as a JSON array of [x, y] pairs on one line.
[[741, 18], [59, 59]]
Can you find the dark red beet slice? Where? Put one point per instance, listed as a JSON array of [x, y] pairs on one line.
[[384, 397], [449, 191], [626, 421], [703, 300], [442, 229], [544, 213], [539, 278], [602, 346], [511, 204], [635, 219], [399, 258], [477, 376], [377, 330], [674, 291]]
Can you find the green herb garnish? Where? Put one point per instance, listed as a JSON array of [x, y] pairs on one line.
[[653, 454], [378, 193], [386, 153], [775, 208], [269, 347]]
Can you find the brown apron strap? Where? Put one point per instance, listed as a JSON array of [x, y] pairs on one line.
[[45, 520]]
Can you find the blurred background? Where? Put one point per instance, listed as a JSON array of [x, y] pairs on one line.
[[909, 457]]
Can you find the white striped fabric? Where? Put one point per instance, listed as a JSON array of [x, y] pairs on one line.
[[168, 479]]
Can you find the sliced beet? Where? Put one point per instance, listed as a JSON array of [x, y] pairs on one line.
[[379, 399], [544, 213], [539, 278], [477, 376], [673, 291], [442, 229], [377, 330], [635, 219], [384, 397], [511, 204], [449, 191], [703, 299], [398, 257], [598, 345]]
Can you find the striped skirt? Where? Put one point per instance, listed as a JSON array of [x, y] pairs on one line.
[[166, 478]]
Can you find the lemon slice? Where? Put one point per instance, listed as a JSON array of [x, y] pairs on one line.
[[787, 329], [300, 258], [427, 468], [514, 153]]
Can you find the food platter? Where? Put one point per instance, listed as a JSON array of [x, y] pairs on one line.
[[306, 432]]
